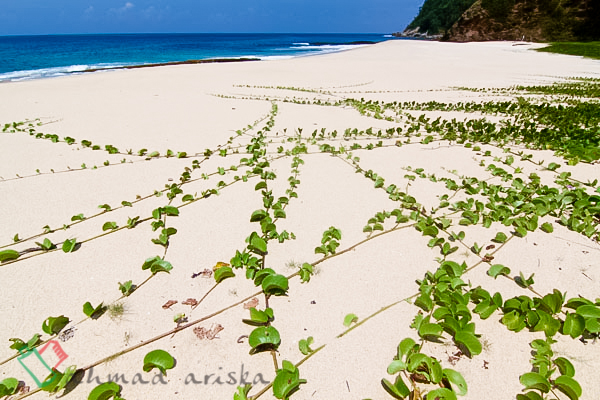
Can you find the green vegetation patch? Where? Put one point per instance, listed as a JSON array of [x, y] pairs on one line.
[[585, 49], [509, 199]]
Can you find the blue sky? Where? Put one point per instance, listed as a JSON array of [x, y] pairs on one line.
[[22, 17]]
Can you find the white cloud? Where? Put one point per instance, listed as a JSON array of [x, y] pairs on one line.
[[126, 7]]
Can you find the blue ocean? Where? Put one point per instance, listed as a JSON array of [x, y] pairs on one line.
[[34, 57]]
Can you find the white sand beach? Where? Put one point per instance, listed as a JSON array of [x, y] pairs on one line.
[[192, 108]]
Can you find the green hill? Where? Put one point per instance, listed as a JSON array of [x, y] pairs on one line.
[[437, 16], [534, 20]]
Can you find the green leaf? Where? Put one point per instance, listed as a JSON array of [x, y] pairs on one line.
[[8, 255], [547, 227], [433, 242], [279, 213], [53, 325], [50, 383], [349, 319], [156, 265], [588, 311], [258, 215], [158, 359], [498, 269], [524, 282], [430, 331], [287, 381], [260, 185], [575, 302], [453, 269], [66, 377], [188, 197], [171, 211], [92, 312], [126, 288], [435, 372], [417, 361], [242, 392], [9, 386], [105, 391], [46, 245], [441, 394], [34, 341], [304, 345], [398, 390], [469, 341], [264, 338], [553, 166], [529, 396], [306, 272], [568, 386], [500, 238], [456, 380], [149, 262], [69, 245], [223, 273], [424, 301], [21, 346], [485, 308], [276, 285], [430, 231], [106, 207], [514, 321], [109, 226], [396, 366], [574, 325], [78, 217], [262, 274], [18, 344], [564, 366], [259, 245], [592, 325], [520, 231], [535, 381], [553, 302], [407, 347]]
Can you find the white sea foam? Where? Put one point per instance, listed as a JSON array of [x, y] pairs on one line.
[[51, 72], [266, 58], [327, 48]]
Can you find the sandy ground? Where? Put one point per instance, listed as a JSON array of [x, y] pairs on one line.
[[193, 108]]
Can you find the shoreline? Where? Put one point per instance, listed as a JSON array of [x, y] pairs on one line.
[[134, 66], [171, 63]]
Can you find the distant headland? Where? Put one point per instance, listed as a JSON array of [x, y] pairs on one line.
[[485, 20]]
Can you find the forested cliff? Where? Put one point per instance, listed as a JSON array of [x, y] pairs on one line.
[[533, 20]]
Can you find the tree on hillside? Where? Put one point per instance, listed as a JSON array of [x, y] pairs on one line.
[[437, 16]]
